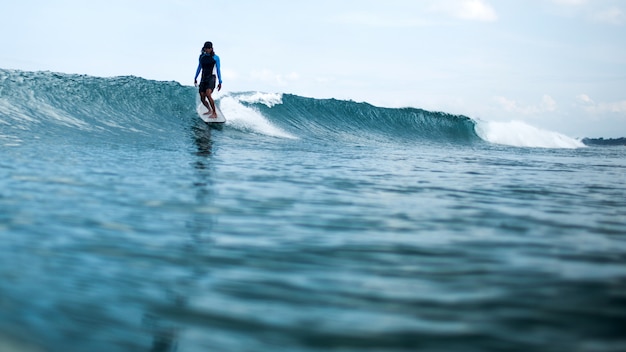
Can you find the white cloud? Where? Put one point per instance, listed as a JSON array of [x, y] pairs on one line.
[[269, 77], [585, 99], [475, 10], [548, 104], [593, 11], [413, 15], [230, 74], [590, 106], [380, 20], [611, 16], [570, 2]]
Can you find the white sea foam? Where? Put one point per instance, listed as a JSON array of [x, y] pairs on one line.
[[9, 141], [521, 134], [268, 99], [243, 117]]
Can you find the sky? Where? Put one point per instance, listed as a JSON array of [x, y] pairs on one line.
[[558, 65]]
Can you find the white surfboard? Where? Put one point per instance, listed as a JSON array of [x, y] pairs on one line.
[[202, 110]]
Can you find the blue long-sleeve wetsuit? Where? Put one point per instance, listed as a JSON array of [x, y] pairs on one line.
[[207, 68]]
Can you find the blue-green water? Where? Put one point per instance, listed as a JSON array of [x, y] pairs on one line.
[[126, 224]]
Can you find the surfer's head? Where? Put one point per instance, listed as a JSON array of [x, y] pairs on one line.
[[208, 48]]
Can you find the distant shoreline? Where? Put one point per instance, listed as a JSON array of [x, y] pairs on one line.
[[605, 141]]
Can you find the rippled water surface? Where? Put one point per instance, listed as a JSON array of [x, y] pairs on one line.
[[230, 241]]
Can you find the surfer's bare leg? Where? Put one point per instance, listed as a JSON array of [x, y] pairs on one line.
[[212, 102], [205, 103]]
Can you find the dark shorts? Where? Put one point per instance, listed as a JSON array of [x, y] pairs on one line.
[[209, 84]]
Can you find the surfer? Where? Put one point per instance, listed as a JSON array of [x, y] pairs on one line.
[[207, 61]]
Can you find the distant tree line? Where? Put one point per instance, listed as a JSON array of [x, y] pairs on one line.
[[602, 141]]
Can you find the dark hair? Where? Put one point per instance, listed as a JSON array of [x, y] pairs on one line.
[[208, 45]]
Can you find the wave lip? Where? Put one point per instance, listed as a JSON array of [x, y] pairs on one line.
[[351, 121], [521, 134], [41, 104], [267, 99]]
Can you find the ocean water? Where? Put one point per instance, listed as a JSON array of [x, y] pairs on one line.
[[127, 224]]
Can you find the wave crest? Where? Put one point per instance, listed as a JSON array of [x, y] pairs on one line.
[[34, 104], [521, 134]]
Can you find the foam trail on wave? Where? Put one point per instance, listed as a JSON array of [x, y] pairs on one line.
[[267, 99], [242, 117], [520, 134]]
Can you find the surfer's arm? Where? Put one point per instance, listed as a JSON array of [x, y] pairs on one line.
[[217, 67], [195, 79]]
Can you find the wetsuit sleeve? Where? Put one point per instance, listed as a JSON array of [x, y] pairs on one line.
[[198, 70], [219, 71]]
